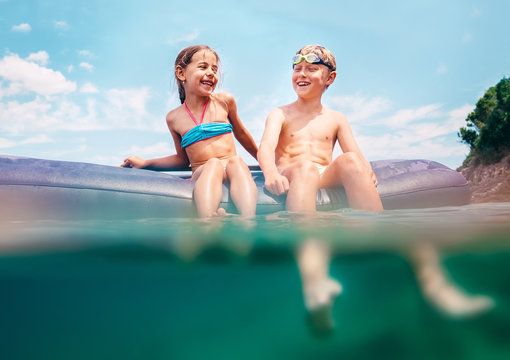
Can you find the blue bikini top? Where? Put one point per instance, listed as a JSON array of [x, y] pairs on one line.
[[203, 131]]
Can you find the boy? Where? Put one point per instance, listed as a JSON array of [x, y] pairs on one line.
[[296, 150], [295, 155]]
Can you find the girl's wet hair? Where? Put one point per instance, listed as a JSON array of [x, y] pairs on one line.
[[183, 60]]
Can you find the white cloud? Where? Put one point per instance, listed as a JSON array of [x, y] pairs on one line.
[[441, 69], [26, 77], [118, 109], [357, 107], [466, 38], [192, 36], [63, 25], [23, 28], [88, 88], [40, 57], [38, 139], [87, 66], [86, 53], [406, 116], [429, 138], [156, 150], [70, 68]]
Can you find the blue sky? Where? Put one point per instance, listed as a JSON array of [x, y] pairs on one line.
[[93, 80]]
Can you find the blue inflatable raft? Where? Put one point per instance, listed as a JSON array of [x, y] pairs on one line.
[[47, 189]]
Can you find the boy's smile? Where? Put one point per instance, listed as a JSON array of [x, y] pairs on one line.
[[309, 79]]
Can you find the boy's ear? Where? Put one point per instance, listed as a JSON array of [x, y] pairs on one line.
[[179, 73], [331, 78]]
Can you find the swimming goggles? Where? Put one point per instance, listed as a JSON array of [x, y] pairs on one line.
[[309, 58]]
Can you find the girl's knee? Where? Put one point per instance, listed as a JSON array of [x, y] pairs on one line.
[[213, 165], [235, 161]]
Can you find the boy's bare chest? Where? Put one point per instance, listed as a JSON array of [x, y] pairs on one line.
[[315, 130]]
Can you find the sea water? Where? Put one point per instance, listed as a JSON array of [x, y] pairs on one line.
[[231, 288]]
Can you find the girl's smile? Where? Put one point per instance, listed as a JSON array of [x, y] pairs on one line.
[[200, 76]]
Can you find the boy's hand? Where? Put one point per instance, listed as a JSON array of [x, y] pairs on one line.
[[134, 162], [373, 177], [277, 184]]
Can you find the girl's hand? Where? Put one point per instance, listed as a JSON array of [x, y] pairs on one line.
[[134, 162]]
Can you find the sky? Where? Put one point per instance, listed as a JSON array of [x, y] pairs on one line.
[[92, 81]]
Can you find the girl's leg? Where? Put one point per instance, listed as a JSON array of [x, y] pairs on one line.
[[242, 187], [208, 187], [304, 182], [348, 170]]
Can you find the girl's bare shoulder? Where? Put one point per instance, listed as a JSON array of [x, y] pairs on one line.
[[224, 98], [174, 114]]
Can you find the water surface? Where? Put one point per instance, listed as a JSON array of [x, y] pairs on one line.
[[231, 288]]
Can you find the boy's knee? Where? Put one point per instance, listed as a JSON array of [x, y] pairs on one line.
[[352, 163]]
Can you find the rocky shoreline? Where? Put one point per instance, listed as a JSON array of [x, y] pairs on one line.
[[488, 183]]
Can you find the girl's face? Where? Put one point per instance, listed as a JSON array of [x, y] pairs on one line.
[[201, 75], [310, 80]]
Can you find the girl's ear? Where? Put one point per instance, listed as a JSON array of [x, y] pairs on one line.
[[179, 73], [331, 78]]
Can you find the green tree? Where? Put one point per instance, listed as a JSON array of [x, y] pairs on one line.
[[488, 127]]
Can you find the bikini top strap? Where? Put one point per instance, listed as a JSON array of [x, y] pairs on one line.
[[191, 115]]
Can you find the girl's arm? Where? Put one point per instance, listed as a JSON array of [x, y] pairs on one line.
[[240, 132], [167, 163]]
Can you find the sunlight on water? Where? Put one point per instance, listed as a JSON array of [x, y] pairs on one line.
[[425, 283]]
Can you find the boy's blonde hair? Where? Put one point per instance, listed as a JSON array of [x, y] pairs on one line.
[[322, 52]]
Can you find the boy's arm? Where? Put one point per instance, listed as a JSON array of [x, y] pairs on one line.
[[349, 144], [274, 181], [168, 163], [240, 132]]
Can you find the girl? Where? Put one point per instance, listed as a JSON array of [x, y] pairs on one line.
[[202, 129]]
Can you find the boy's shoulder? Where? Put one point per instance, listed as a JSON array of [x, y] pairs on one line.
[[335, 115], [278, 114]]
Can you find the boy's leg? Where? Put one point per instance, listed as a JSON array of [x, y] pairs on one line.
[[348, 170], [242, 187], [319, 288], [304, 180], [208, 190]]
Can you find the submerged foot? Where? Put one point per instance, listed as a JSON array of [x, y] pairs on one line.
[[441, 292], [319, 299], [455, 302]]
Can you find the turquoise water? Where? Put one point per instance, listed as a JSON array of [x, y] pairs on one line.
[[231, 289]]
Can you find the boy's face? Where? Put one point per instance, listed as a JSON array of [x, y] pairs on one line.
[[310, 80]]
